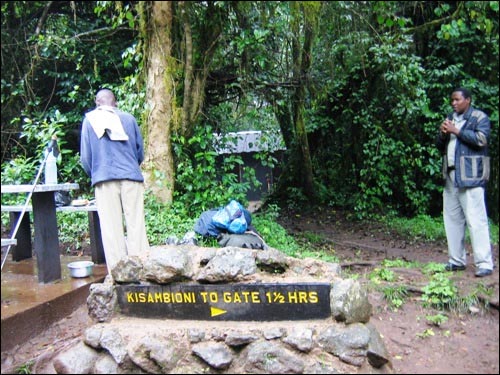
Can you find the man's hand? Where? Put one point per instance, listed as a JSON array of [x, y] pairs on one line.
[[448, 127]]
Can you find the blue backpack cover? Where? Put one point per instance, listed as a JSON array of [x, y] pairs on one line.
[[231, 218]]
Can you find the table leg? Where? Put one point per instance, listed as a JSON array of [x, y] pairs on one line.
[[46, 237], [23, 249], [96, 246]]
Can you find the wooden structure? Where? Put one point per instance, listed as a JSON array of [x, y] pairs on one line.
[[46, 233], [247, 144]]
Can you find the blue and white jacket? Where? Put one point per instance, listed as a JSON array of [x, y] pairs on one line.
[[471, 153]]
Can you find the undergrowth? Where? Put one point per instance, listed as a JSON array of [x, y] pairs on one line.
[[427, 228], [439, 293]]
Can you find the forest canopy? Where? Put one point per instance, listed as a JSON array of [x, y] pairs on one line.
[[356, 89]]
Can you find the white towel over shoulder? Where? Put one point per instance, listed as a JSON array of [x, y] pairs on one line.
[[104, 119]]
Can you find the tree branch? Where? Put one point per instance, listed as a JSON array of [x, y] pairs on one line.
[[42, 19], [111, 31], [438, 21]]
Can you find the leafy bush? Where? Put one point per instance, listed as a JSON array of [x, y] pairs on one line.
[[421, 227], [164, 221], [274, 234], [27, 166], [381, 274], [73, 230], [427, 228], [440, 292], [203, 179], [437, 319], [395, 295], [432, 267]]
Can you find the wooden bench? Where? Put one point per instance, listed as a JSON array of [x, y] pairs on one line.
[[22, 245]]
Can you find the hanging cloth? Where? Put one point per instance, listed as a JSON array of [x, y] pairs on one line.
[[104, 120]]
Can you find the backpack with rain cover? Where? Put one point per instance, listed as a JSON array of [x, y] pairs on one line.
[[231, 218]]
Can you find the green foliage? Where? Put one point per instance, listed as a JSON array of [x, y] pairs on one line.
[[295, 198], [493, 232], [436, 320], [426, 333], [463, 304], [203, 180], [388, 109], [73, 230], [440, 292], [399, 263], [395, 295], [315, 246], [432, 268], [426, 228], [391, 153], [70, 170], [21, 170], [320, 255], [313, 238], [164, 221], [374, 94], [381, 274], [34, 138], [478, 297], [420, 227], [482, 289], [250, 113], [274, 234], [26, 368], [55, 65]]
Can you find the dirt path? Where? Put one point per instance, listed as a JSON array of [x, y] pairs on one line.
[[467, 343]]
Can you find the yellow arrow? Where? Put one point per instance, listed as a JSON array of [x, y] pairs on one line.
[[214, 311]]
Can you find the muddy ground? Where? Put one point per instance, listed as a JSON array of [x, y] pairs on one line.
[[467, 343]]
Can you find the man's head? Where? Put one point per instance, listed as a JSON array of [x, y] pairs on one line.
[[105, 97], [460, 100]]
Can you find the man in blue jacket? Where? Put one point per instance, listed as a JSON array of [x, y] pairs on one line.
[[463, 140], [111, 152]]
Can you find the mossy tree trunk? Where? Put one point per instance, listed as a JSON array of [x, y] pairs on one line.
[[304, 20], [168, 68], [160, 98]]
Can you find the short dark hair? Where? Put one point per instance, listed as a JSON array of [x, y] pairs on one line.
[[105, 97], [465, 92]]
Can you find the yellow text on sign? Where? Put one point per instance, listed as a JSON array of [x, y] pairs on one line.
[[161, 297], [240, 297]]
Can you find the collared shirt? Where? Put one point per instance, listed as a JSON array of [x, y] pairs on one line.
[[459, 121]]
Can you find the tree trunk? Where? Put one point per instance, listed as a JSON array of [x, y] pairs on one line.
[[160, 97], [301, 66], [195, 69]]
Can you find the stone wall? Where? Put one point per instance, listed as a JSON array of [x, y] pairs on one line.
[[271, 340]]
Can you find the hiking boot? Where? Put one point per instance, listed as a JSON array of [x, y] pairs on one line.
[[453, 267], [482, 272]]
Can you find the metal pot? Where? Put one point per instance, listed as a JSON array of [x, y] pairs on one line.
[[81, 269]]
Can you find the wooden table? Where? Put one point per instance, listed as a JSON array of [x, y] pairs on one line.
[[45, 225]]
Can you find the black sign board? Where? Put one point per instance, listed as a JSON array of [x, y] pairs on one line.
[[255, 302]]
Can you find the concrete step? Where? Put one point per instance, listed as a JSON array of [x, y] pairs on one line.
[[29, 307]]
